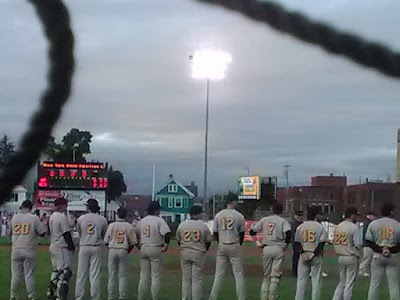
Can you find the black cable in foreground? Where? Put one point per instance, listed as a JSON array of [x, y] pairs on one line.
[[366, 53], [56, 25]]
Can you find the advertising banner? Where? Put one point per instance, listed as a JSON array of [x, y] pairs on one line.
[[249, 188], [76, 198]]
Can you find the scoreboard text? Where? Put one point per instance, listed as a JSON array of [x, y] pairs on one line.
[[54, 175]]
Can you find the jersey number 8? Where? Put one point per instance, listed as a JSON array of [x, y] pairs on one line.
[[21, 229], [308, 236], [191, 236]]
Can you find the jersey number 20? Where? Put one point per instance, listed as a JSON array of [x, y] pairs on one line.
[[21, 229]]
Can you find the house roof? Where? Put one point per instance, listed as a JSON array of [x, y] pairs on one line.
[[184, 188]]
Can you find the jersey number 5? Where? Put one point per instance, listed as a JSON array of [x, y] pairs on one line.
[[90, 228], [191, 236], [308, 236], [387, 233], [21, 229], [227, 223], [119, 236]]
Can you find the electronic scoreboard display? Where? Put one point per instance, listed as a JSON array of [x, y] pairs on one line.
[[54, 175]]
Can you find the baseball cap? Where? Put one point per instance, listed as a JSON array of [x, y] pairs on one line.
[[93, 205], [196, 210], [60, 201], [27, 204], [299, 213]]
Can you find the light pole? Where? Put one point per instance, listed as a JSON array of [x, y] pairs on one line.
[[209, 65], [76, 145]]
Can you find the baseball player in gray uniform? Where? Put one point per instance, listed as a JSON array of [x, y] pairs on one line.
[[310, 240], [121, 239], [91, 228], [383, 236], [60, 245], [194, 238], [347, 244], [276, 234], [154, 236], [25, 227], [229, 228]]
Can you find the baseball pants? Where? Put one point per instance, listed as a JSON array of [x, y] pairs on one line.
[[348, 266], [295, 261], [192, 263], [307, 268], [89, 263], [380, 267], [229, 254], [22, 266], [150, 268], [272, 267], [365, 265], [117, 259], [59, 260]]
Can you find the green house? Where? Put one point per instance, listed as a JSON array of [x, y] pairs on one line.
[[175, 200]]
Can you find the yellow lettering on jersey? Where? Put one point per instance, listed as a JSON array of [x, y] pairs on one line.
[[21, 228], [227, 223], [119, 236], [146, 231], [308, 236], [271, 227], [191, 236], [90, 228], [340, 238], [387, 233]]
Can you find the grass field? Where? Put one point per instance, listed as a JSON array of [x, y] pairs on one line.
[[171, 282]]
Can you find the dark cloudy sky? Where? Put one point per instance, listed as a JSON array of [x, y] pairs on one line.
[[282, 101]]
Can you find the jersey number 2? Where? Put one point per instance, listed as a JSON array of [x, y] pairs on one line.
[[90, 228]]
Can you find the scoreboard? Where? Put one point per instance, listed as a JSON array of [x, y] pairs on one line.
[[77, 176]]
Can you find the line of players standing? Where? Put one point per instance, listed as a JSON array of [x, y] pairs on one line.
[[152, 235]]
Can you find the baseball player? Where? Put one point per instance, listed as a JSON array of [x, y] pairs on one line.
[[154, 235], [91, 228], [347, 244], [25, 227], [60, 243], [229, 228], [297, 221], [276, 235], [310, 240], [365, 265], [194, 238], [121, 239], [383, 236]]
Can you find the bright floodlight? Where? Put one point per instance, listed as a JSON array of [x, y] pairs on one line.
[[210, 64]]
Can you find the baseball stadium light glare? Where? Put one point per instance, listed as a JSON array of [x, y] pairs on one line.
[[210, 64]]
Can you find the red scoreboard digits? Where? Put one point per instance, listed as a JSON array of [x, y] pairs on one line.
[[54, 175]]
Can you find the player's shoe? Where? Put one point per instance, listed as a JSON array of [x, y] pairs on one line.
[[365, 274], [324, 274]]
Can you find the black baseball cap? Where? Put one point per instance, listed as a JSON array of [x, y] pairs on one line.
[[299, 213], [93, 205], [60, 201], [27, 204], [196, 210]]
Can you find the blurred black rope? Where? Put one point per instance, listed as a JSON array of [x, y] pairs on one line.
[[366, 53], [56, 25]]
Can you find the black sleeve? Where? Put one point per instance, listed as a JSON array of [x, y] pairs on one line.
[[373, 246], [253, 233], [395, 249], [298, 247], [167, 238], [216, 236], [208, 245], [131, 248], [68, 239], [241, 236], [288, 238], [319, 249]]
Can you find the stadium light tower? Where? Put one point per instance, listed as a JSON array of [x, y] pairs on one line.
[[209, 65]]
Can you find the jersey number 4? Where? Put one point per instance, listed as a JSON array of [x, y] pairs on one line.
[[146, 231], [308, 236], [191, 235], [227, 223], [340, 238], [21, 228]]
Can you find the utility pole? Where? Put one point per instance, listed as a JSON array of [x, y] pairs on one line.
[[287, 166]]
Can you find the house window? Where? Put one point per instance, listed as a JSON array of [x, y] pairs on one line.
[[14, 198], [178, 202], [186, 203], [167, 219], [172, 188], [170, 202]]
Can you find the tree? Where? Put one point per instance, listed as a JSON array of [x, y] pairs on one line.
[[7, 150], [116, 184], [75, 144]]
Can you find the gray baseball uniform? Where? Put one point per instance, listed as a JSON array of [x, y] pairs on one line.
[[120, 236], [229, 223], [25, 227], [193, 235], [347, 243], [310, 234], [151, 231], [92, 229], [384, 232], [59, 254], [273, 230]]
